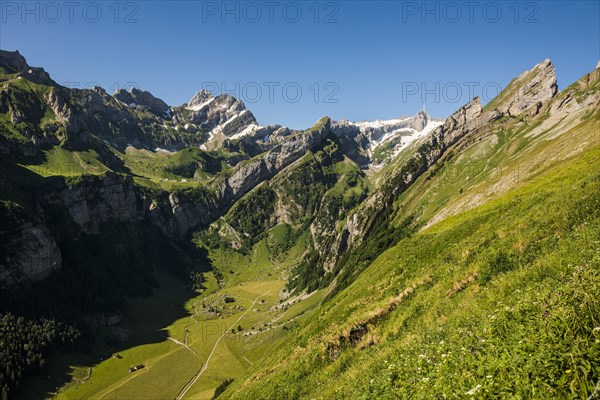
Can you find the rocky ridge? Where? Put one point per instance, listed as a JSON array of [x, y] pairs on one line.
[[127, 117]]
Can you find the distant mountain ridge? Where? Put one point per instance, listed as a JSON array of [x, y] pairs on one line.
[[138, 118]]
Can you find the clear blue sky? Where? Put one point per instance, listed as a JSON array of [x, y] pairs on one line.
[[379, 58]]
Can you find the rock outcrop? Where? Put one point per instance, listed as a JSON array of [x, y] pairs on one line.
[[97, 200], [182, 213], [248, 174], [526, 93], [32, 254], [136, 97]]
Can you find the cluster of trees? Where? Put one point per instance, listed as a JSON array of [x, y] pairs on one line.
[[251, 214], [197, 281], [24, 344]]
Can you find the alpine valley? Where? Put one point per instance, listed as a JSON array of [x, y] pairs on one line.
[[150, 251]]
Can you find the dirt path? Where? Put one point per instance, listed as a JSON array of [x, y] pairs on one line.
[[244, 357], [185, 340], [191, 383]]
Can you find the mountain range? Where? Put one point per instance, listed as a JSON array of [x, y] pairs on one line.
[[412, 257]]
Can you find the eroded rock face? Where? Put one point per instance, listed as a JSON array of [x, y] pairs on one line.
[[184, 214], [535, 89], [527, 93], [97, 200], [137, 97], [67, 115], [247, 175], [223, 114], [569, 101], [32, 254], [463, 121]]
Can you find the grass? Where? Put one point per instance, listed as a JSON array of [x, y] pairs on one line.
[[191, 164], [500, 162], [434, 327], [61, 162]]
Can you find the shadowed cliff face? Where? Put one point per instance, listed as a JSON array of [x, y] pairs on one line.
[[94, 201]]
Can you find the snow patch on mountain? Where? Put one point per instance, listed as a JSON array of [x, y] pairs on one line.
[[373, 143], [198, 107], [249, 130]]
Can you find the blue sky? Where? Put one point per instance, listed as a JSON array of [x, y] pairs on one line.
[[293, 62]]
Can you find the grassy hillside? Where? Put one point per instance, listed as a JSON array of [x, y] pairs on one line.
[[499, 301], [491, 289]]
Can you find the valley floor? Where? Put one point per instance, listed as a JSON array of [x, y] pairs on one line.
[[227, 330]]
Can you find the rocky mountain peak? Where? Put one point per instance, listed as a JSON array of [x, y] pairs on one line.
[[13, 59], [14, 62], [376, 142], [526, 93], [199, 100], [143, 98], [420, 120], [222, 116]]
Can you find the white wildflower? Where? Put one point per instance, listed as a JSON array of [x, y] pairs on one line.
[[473, 391]]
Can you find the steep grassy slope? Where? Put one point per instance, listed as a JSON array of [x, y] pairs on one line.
[[498, 301], [497, 294]]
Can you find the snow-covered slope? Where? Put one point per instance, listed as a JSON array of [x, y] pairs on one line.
[[373, 143], [220, 116]]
